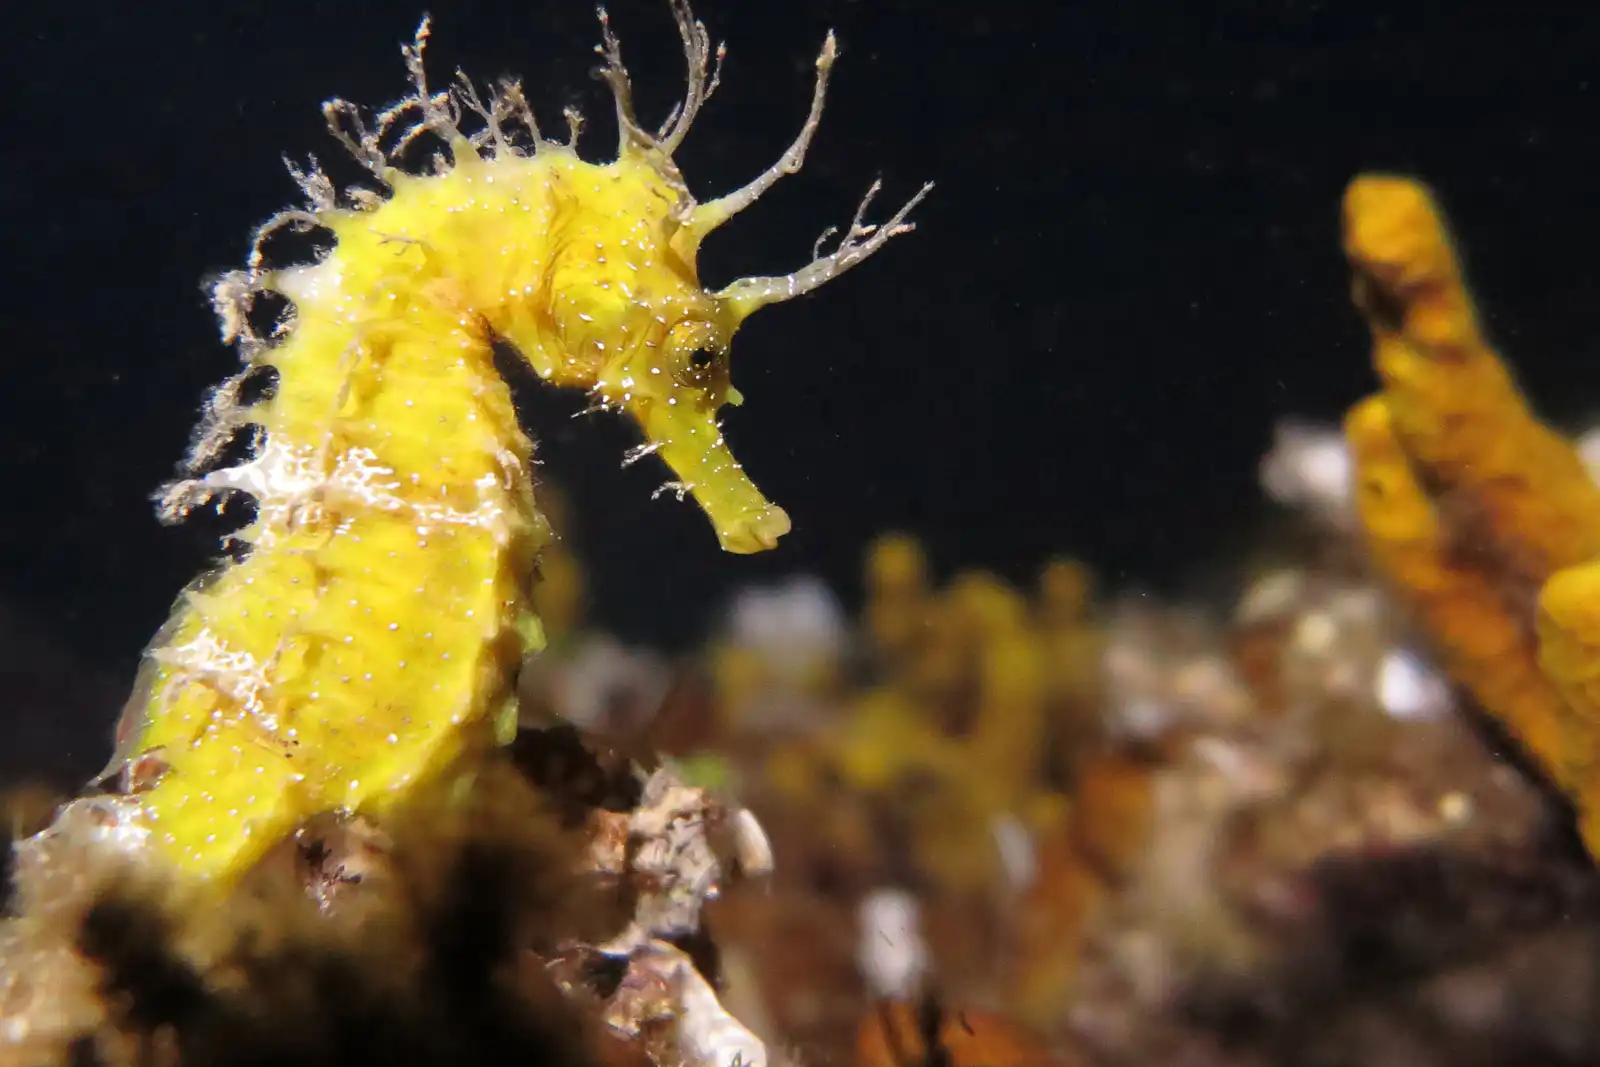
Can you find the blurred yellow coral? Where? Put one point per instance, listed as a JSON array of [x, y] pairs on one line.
[[1473, 509], [1506, 477], [1479, 638], [978, 695], [1066, 592], [897, 596]]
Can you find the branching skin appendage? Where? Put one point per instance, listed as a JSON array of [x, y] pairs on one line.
[[371, 635]]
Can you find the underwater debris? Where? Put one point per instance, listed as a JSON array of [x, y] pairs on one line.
[[892, 956], [441, 920], [110, 961], [665, 848], [707, 1035], [1409, 688], [1309, 468], [900, 1033]]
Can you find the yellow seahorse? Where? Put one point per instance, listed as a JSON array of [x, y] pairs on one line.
[[371, 634]]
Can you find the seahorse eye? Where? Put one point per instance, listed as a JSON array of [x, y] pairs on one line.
[[700, 365], [697, 349]]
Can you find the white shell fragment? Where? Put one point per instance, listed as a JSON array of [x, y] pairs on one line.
[[1408, 688], [664, 846], [752, 848], [672, 861], [1309, 469], [892, 956], [707, 1034]]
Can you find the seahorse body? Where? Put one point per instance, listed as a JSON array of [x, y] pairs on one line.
[[371, 635]]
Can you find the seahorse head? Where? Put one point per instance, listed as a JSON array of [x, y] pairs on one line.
[[628, 319], [636, 326], [591, 272]]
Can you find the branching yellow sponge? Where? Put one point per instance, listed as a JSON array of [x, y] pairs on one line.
[[1479, 640], [1485, 520], [1505, 477], [371, 633]]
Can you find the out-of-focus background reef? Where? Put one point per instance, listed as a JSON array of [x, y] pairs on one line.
[[1186, 651]]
